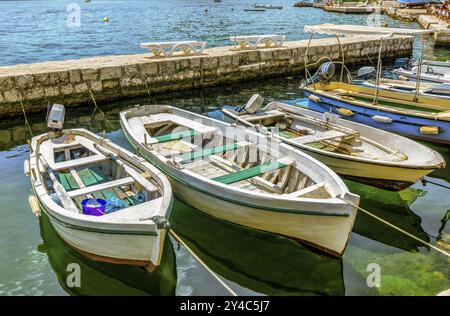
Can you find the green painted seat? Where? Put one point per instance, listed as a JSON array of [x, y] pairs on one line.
[[249, 172], [176, 136], [196, 154], [68, 181]]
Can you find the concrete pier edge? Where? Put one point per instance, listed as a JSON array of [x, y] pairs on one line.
[[112, 78]]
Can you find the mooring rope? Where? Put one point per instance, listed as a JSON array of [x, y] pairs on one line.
[[27, 124], [395, 227], [97, 108], [146, 86], [178, 238]]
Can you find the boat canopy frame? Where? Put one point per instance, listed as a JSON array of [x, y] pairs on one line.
[[356, 30]]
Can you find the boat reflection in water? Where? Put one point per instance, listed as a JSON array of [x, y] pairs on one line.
[[392, 207], [98, 278], [259, 261]]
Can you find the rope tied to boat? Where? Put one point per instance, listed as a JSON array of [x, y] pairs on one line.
[[98, 109], [27, 124], [181, 241], [160, 221], [395, 227]]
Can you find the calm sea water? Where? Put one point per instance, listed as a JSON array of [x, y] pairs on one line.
[[33, 259], [32, 31]]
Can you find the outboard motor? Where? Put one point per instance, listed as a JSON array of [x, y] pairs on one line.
[[323, 74], [55, 118]]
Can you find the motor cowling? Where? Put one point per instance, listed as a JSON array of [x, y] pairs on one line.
[[323, 74]]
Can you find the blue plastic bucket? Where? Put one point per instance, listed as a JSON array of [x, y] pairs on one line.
[[94, 207]]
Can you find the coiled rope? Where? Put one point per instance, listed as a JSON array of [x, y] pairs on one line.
[[395, 227], [178, 238]]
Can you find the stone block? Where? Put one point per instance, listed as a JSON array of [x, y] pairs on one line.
[[96, 85], [51, 91], [74, 76], [195, 62], [284, 54], [89, 74], [35, 93], [167, 67], [149, 69], [225, 61], [210, 62], [81, 87], [67, 89], [6, 83], [110, 73], [130, 70], [110, 84], [24, 82], [11, 95]]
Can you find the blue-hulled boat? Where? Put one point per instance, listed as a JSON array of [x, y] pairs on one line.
[[413, 3], [413, 114], [426, 118]]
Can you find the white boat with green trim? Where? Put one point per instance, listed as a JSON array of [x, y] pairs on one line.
[[72, 166], [244, 177], [355, 151]]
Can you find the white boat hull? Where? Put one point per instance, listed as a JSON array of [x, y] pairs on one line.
[[329, 233], [114, 248], [383, 176], [143, 250]]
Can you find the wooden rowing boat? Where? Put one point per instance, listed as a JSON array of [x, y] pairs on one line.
[[426, 89], [425, 118], [244, 177], [353, 150], [78, 165]]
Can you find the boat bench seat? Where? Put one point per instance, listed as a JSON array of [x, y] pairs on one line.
[[202, 153], [251, 172], [305, 191], [94, 159], [319, 137], [274, 115], [95, 184], [185, 127], [176, 136], [101, 186]]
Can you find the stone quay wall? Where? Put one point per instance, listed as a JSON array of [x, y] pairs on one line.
[[111, 78]]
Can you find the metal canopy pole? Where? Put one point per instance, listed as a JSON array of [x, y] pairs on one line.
[[343, 58], [305, 59], [419, 71], [377, 81]]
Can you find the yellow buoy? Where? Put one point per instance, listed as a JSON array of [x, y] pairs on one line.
[[105, 19], [429, 130], [345, 112]]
